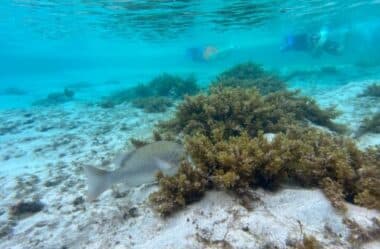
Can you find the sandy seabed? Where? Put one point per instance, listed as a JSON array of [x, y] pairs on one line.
[[42, 151]]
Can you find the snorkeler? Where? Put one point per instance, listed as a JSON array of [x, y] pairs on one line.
[[201, 53], [207, 53], [315, 44]]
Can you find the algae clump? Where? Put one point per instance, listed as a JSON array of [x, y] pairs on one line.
[[304, 157], [164, 86], [187, 186], [372, 90], [234, 110], [153, 104], [225, 132], [369, 124], [249, 75]]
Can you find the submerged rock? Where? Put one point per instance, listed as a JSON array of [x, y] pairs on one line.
[[5, 228], [26, 207], [78, 201]]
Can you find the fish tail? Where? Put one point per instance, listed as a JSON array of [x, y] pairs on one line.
[[97, 181]]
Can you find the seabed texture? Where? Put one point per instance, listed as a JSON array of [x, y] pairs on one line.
[[52, 144]]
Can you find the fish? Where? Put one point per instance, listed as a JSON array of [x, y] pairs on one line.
[[136, 167]]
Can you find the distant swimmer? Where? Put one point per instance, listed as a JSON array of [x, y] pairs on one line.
[[313, 43], [202, 53], [207, 53]]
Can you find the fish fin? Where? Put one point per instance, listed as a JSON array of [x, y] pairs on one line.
[[163, 165], [97, 181]]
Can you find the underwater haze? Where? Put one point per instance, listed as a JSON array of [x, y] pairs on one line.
[[47, 44], [275, 104]]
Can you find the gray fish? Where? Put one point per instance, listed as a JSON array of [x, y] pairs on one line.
[[136, 167]]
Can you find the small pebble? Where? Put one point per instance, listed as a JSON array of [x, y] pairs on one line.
[[79, 200]]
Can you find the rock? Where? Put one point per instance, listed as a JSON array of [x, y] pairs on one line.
[[133, 212], [78, 201], [24, 207], [5, 229], [53, 182]]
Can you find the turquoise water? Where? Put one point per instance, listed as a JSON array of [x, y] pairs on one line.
[[46, 45], [84, 83]]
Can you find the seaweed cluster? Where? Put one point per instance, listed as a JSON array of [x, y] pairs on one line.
[[161, 90], [369, 124], [172, 86], [153, 104], [225, 132], [187, 186], [56, 98], [368, 184], [306, 157], [248, 75], [309, 242], [233, 110], [372, 90]]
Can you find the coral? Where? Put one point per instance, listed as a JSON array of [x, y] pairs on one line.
[[186, 186], [372, 90], [248, 75], [371, 124], [153, 104], [233, 110], [24, 207], [56, 98]]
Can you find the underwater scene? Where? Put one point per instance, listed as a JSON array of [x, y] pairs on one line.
[[189, 124]]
